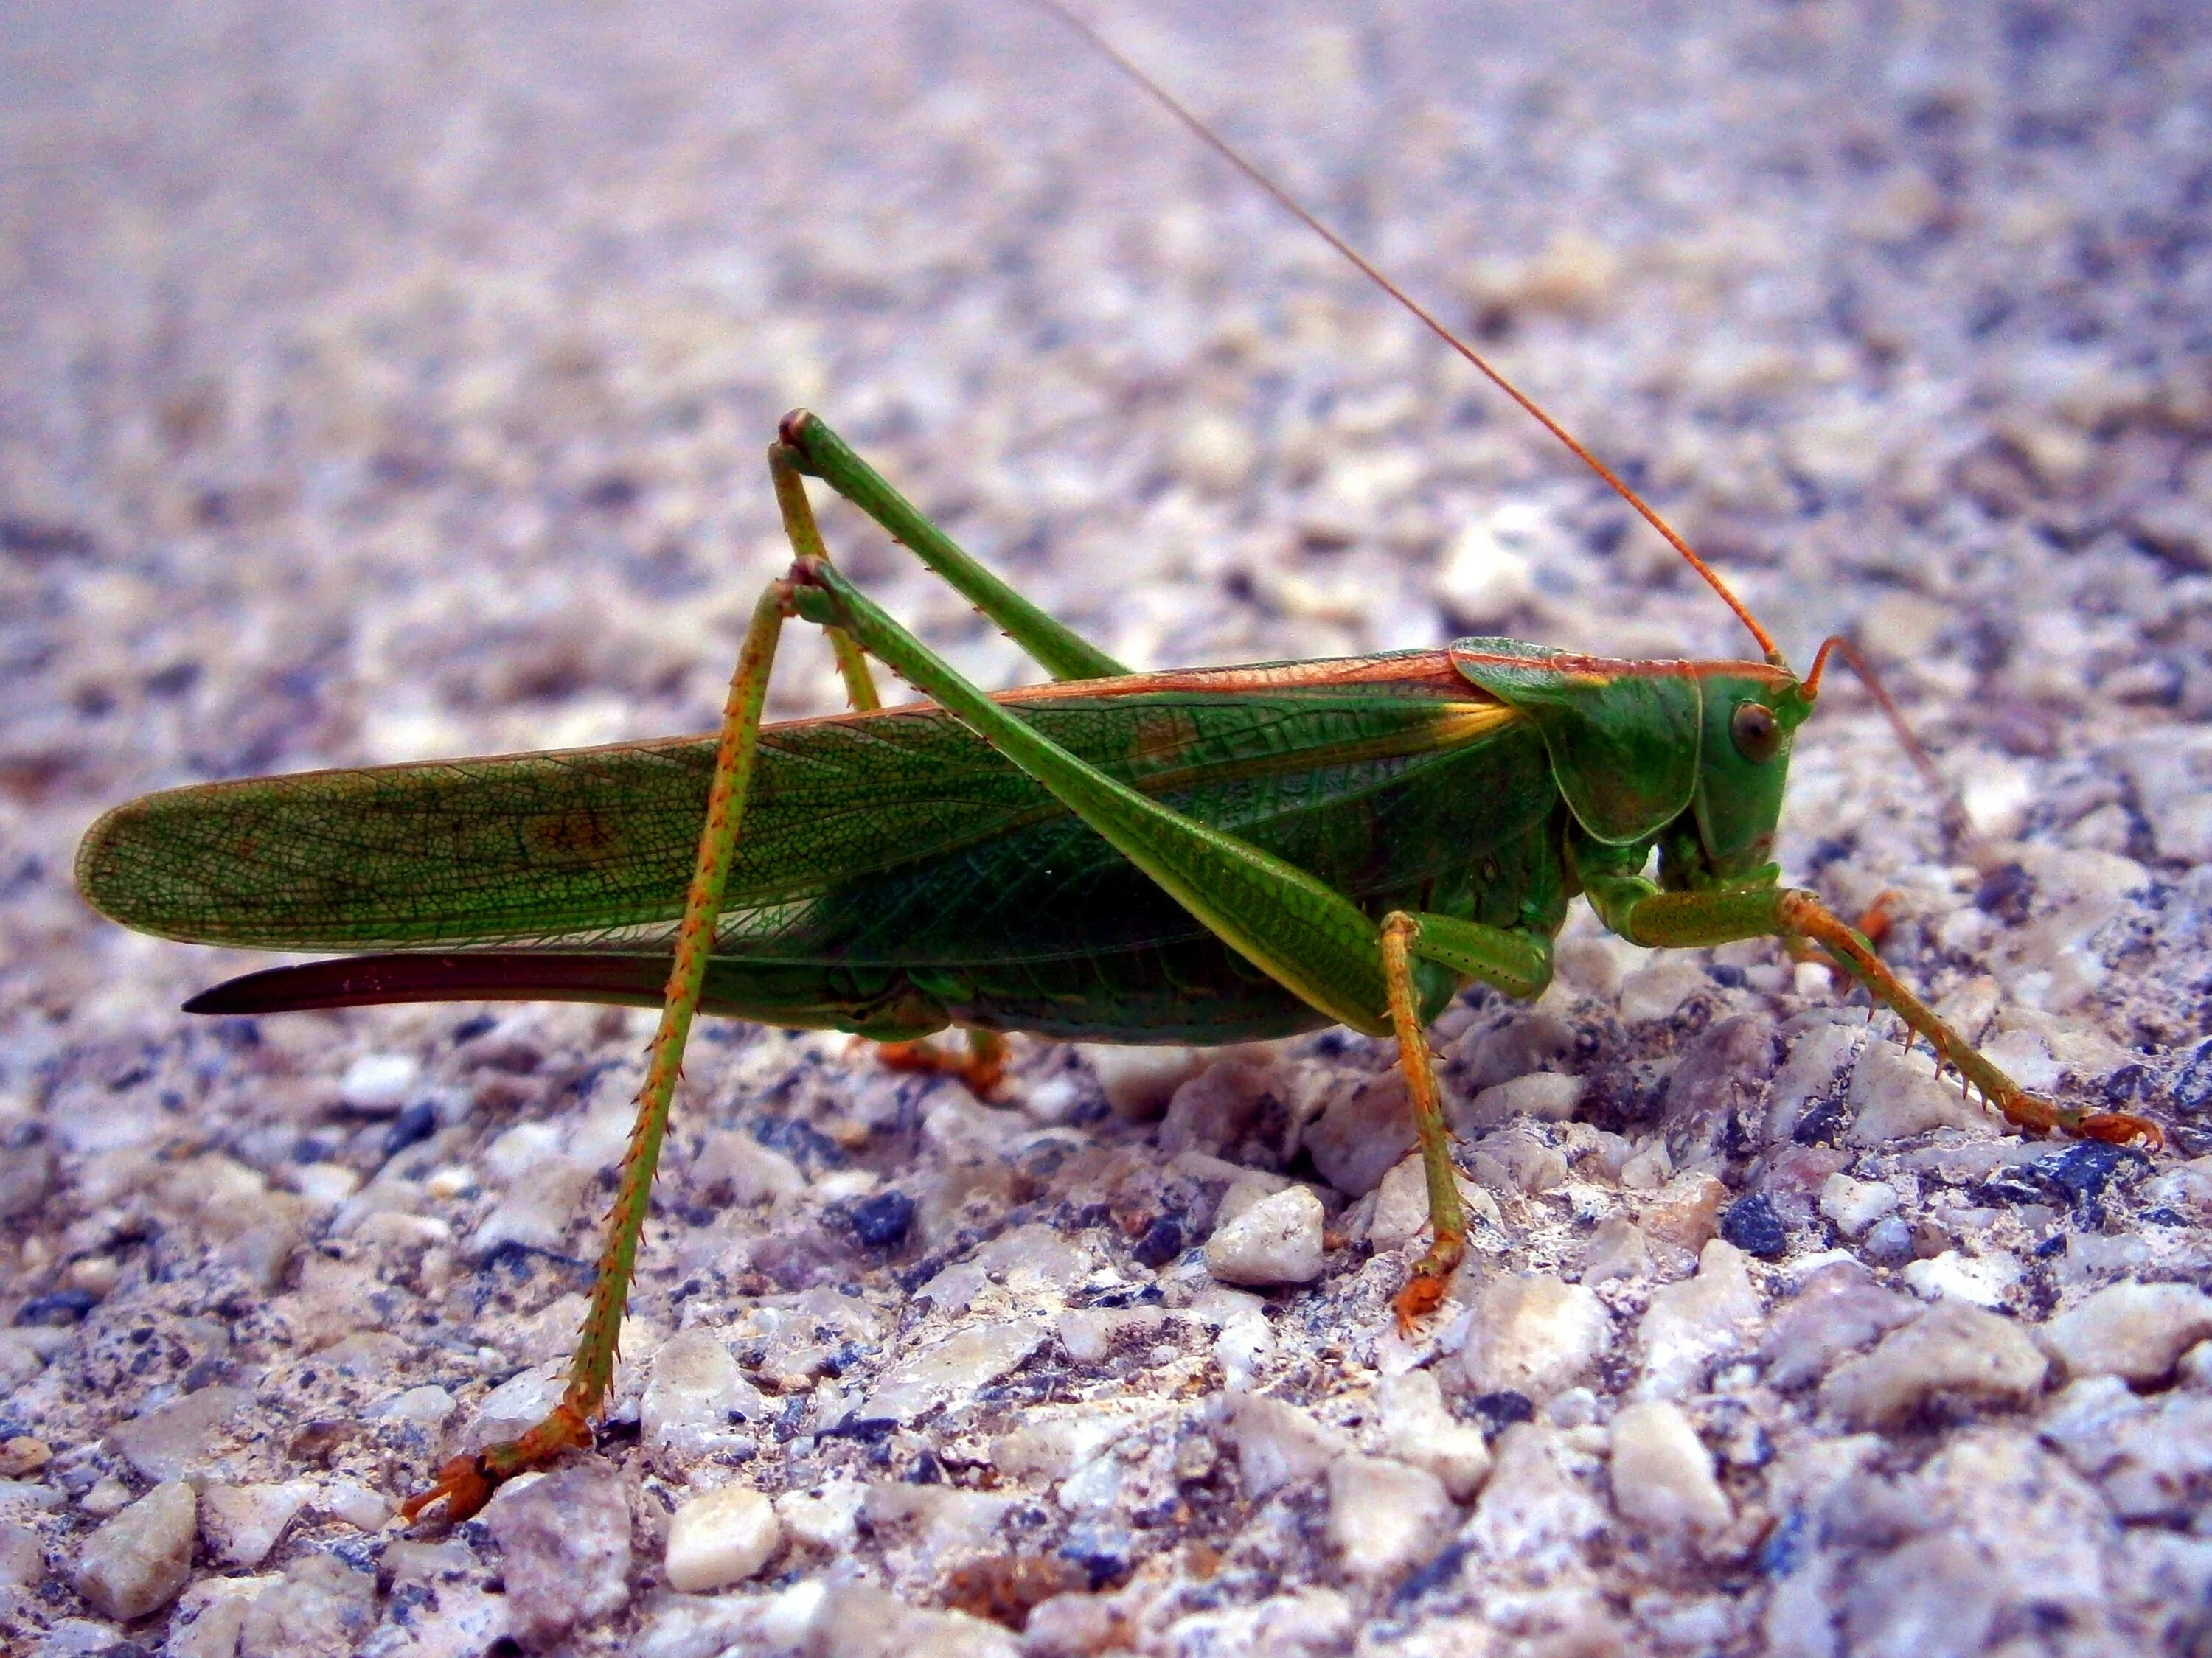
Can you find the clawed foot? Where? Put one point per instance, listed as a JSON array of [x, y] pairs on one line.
[[1424, 1288], [465, 1483], [2121, 1128], [983, 1065]]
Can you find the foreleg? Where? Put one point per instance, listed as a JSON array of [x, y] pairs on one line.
[[1637, 911]]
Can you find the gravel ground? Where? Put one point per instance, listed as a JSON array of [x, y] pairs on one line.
[[382, 382]]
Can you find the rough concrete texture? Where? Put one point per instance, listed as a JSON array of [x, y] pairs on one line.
[[388, 382]]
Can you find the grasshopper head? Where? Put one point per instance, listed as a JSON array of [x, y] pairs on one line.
[[1750, 714]]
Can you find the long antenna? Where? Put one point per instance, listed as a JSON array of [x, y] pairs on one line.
[[1227, 153]]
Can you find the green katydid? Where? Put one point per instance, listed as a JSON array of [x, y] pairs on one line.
[[1211, 855]]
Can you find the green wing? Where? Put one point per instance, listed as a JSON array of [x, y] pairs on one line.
[[890, 836]]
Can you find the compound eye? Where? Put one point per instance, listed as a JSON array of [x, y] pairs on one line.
[[1757, 735]]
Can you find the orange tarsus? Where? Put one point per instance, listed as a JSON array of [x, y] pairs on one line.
[[1879, 917], [1422, 1293], [465, 1483], [983, 1070], [2121, 1128]]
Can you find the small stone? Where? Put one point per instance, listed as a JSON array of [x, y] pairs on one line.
[[23, 1455], [1365, 1127], [362, 1507], [881, 1221], [1751, 1224], [241, 1523], [729, 1160], [2083, 1171], [1531, 1165], [1616, 1249], [428, 1407], [1657, 992], [513, 1407], [22, 1557], [1648, 1167], [324, 1608], [564, 1549], [541, 1205], [1212, 1111], [1534, 1509], [1853, 1206], [826, 1517], [1888, 1242], [1088, 1333], [1931, 1598], [1892, 1098], [1139, 1082], [1214, 452], [1422, 1432], [378, 1084], [1980, 1281], [1384, 1513], [137, 1562], [1277, 1443], [1839, 1310], [19, 1359], [1953, 1348], [1276, 1240], [697, 1398], [1546, 1096], [1690, 1323], [108, 1495], [723, 1537], [1685, 1213], [1662, 1475], [2134, 1331], [952, 1369], [1533, 1335], [173, 1440]]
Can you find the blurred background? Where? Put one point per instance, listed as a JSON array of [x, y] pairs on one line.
[[380, 382]]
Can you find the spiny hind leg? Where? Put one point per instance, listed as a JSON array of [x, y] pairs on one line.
[[1519, 963], [466, 1483]]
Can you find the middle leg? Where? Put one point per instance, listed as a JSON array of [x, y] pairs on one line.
[[1519, 963]]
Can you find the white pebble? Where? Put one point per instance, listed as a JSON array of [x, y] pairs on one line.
[[360, 1506], [1894, 1094], [1856, 1204], [722, 1537], [1656, 992], [697, 1399], [826, 1517], [1364, 1129], [1662, 1475], [1688, 1324], [1384, 1513], [243, 1523], [1422, 1432], [1550, 1095], [137, 1561], [380, 1082], [2135, 1330], [1533, 1334], [1980, 1281], [1952, 1348], [953, 1368], [1277, 1443], [1276, 1240]]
